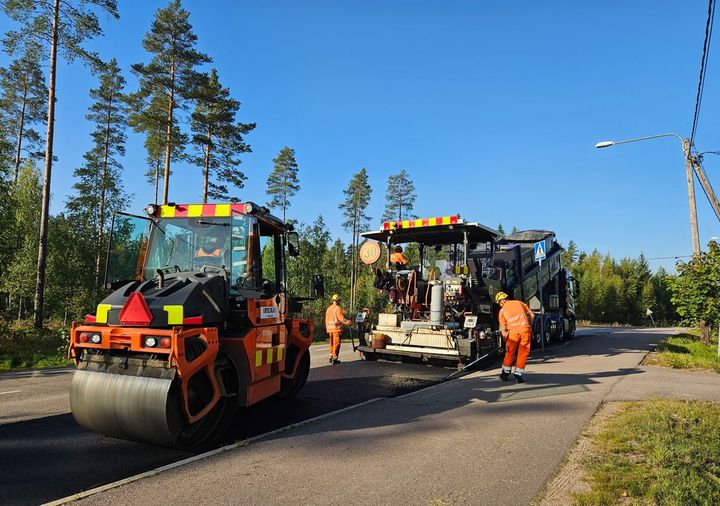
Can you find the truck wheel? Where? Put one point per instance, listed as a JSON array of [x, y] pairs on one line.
[[289, 388], [548, 332], [571, 332], [561, 330], [536, 337]]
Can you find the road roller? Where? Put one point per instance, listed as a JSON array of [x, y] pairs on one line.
[[198, 323]]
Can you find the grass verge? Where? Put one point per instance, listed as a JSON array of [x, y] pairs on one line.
[[685, 351], [656, 452], [24, 347]]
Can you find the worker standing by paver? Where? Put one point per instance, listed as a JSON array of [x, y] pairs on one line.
[[334, 320], [516, 327], [398, 259]]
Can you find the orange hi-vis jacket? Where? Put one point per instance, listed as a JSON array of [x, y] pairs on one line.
[[335, 318], [398, 258], [515, 314], [217, 252]]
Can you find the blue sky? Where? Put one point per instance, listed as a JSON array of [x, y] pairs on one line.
[[492, 108]]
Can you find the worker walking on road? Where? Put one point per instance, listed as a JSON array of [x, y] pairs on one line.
[[334, 320], [516, 327]]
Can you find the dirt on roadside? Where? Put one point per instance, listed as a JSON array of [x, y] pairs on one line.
[[570, 477]]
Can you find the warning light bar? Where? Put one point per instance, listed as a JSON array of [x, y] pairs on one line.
[[425, 222]]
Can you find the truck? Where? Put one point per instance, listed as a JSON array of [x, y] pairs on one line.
[[200, 323], [442, 309]]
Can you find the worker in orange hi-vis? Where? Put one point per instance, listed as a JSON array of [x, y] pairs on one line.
[[398, 259], [516, 327], [334, 320]]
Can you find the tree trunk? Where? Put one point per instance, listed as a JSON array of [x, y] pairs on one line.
[[21, 127], [101, 211], [157, 177], [45, 209], [168, 134], [206, 164], [704, 332]]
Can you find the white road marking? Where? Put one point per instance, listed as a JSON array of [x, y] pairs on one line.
[[10, 392]]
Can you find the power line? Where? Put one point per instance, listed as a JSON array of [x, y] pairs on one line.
[[666, 258], [703, 67]]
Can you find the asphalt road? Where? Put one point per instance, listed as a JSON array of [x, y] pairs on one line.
[[45, 455]]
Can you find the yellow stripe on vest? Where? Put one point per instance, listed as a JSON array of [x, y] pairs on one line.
[[258, 358]]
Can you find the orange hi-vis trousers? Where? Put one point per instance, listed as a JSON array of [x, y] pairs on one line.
[[334, 343], [518, 341]]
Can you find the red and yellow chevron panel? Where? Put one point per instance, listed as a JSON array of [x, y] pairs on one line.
[[200, 210], [425, 222]]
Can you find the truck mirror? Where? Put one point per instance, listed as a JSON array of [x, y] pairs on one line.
[[293, 241], [318, 286]]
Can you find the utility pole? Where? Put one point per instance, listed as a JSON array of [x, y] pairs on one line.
[[689, 170]]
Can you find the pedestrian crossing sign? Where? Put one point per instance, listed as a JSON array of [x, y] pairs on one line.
[[539, 251]]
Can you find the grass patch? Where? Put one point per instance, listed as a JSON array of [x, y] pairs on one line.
[[656, 452], [685, 351], [24, 347]]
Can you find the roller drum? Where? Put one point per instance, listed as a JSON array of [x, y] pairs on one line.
[[129, 407]]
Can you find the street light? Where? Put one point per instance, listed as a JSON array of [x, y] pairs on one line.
[[688, 175]]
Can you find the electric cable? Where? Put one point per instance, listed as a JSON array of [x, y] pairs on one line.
[[703, 68]]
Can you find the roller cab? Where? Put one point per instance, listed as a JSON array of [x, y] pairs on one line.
[[197, 325]]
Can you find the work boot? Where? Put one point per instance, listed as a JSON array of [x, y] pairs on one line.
[[335, 360], [331, 360], [504, 376], [519, 378]]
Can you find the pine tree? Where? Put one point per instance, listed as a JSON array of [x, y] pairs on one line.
[[219, 138], [99, 189], [399, 198], [24, 102], [170, 74], [569, 255], [283, 183], [64, 26], [500, 229], [357, 199]]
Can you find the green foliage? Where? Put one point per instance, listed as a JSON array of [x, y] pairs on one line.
[[167, 83], [399, 198], [619, 291], [283, 182], [657, 452], [23, 105], [77, 22], [219, 138], [696, 288], [500, 229], [22, 234], [23, 346], [98, 190]]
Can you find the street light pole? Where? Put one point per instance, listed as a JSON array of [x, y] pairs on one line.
[[688, 176]]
